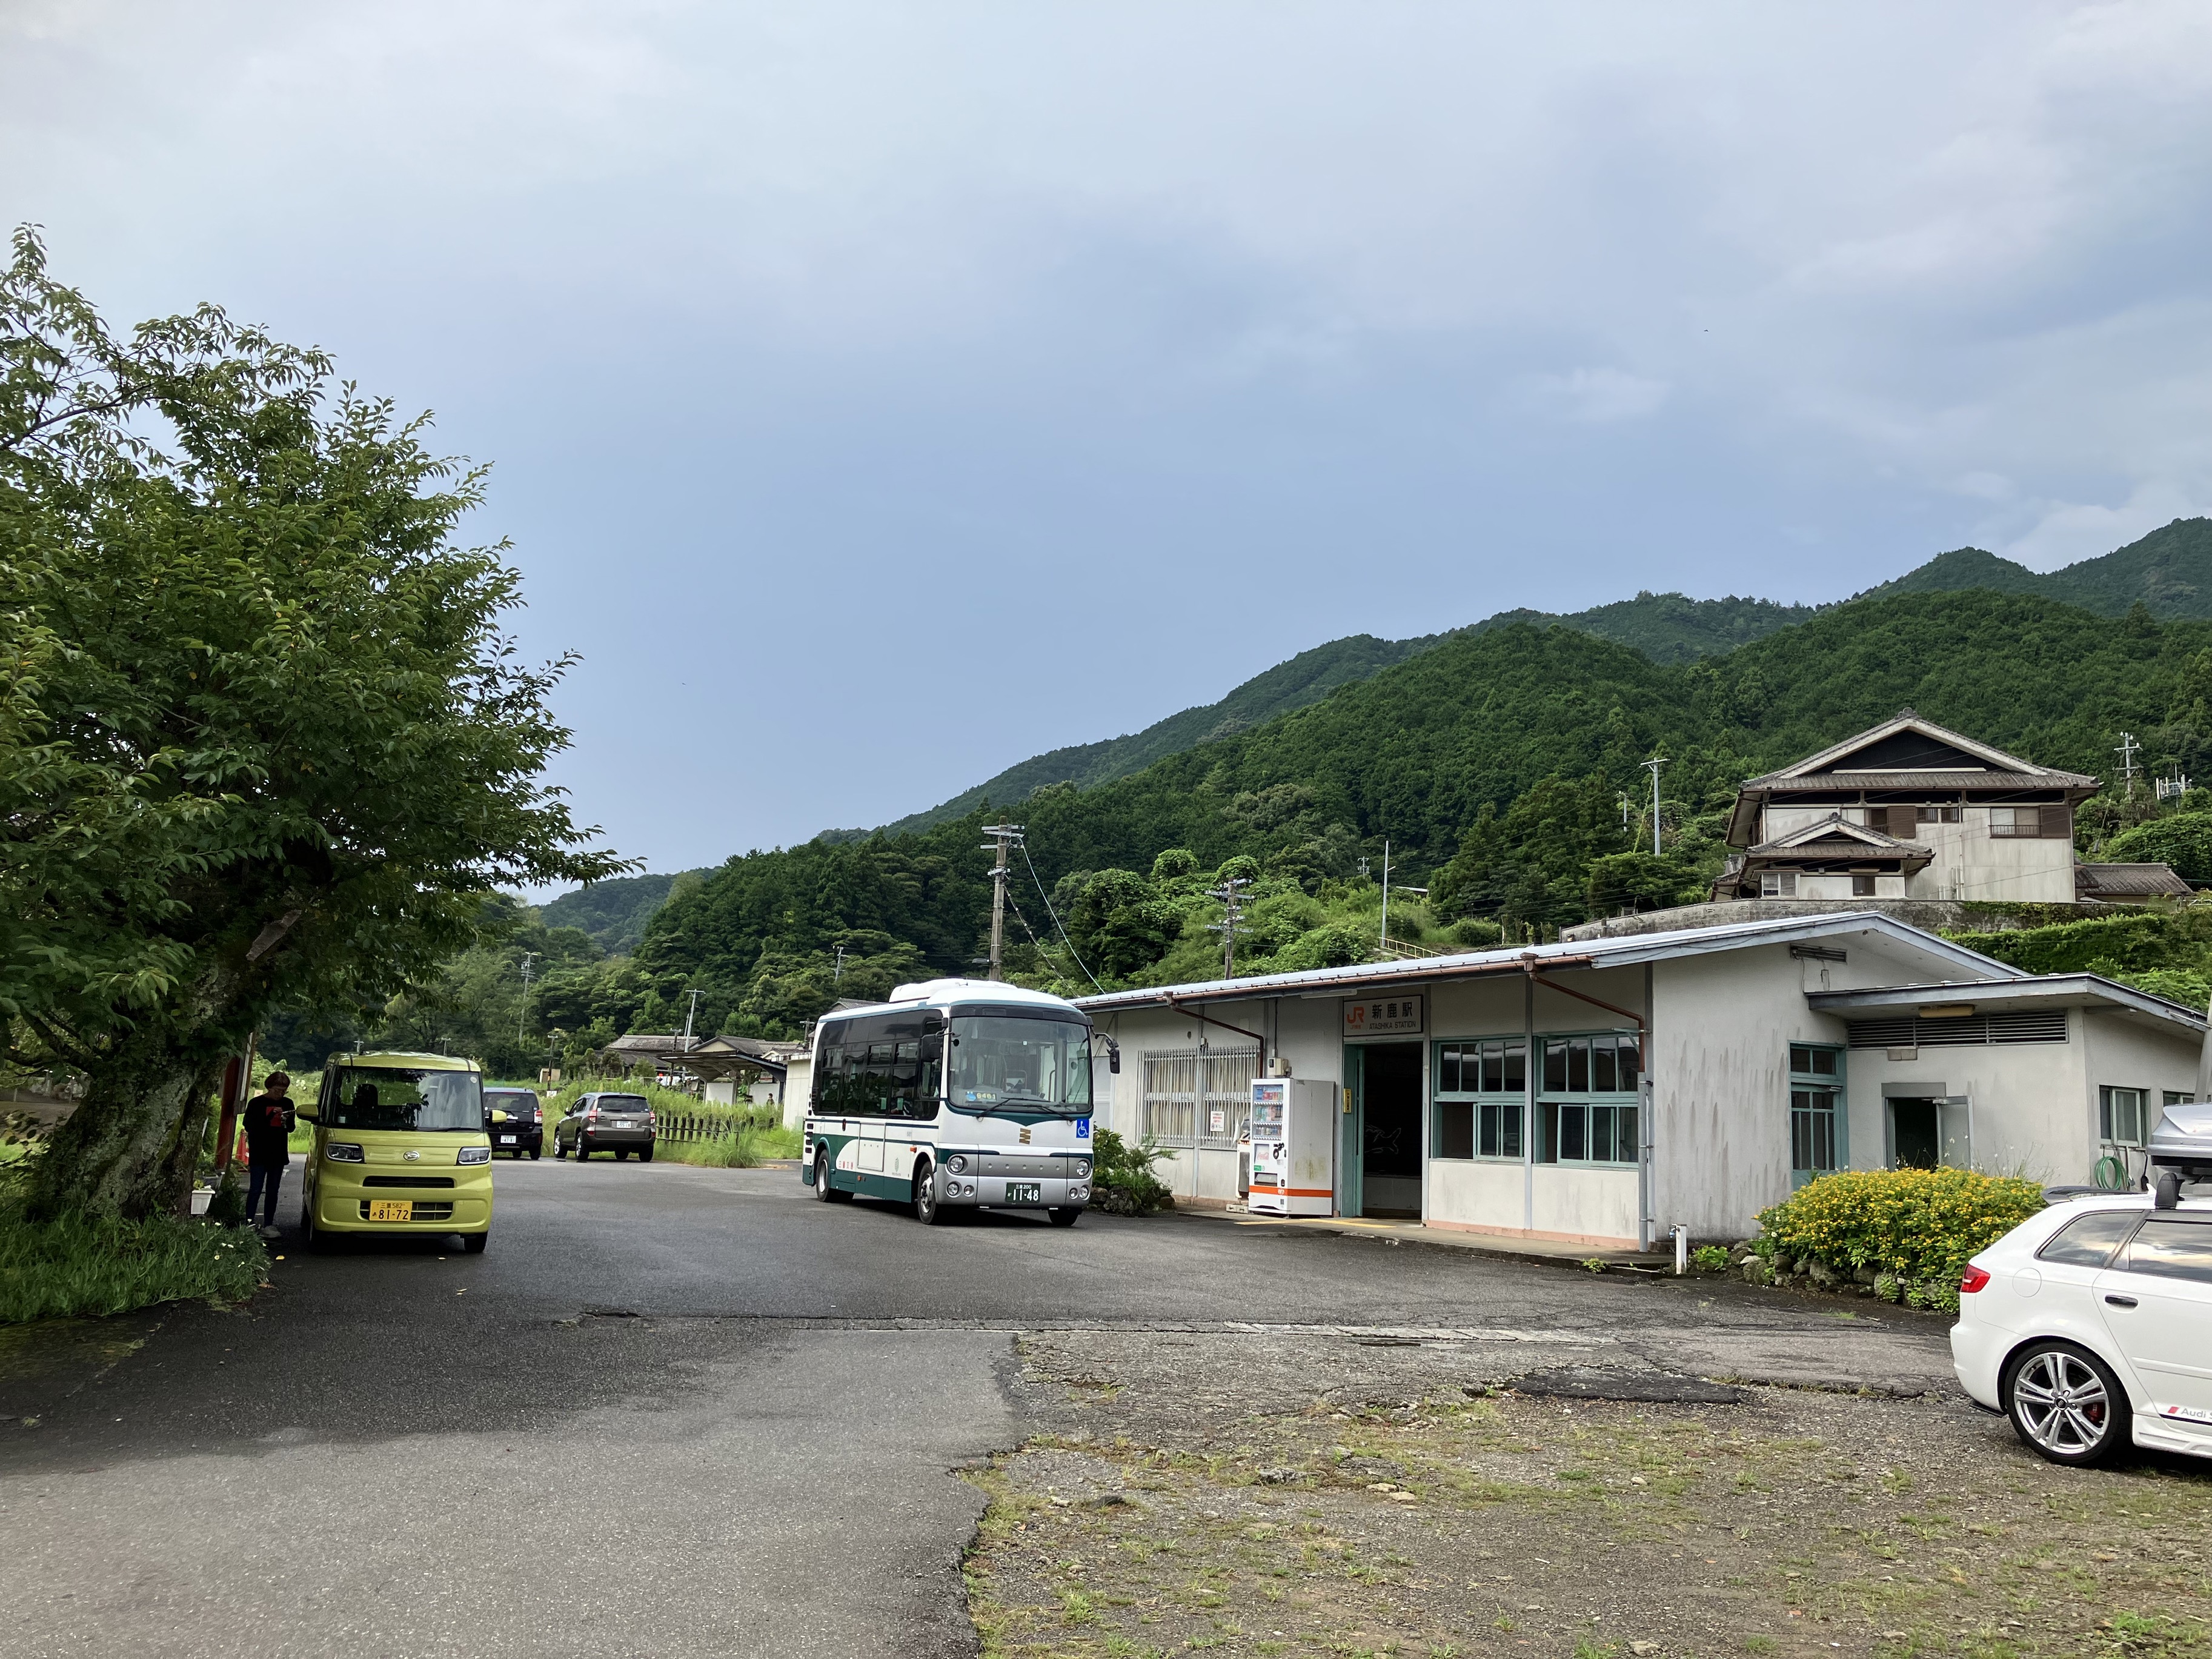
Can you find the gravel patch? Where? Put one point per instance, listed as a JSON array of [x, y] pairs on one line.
[[1307, 1494]]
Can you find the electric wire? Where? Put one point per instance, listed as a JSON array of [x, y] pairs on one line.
[[1054, 915]]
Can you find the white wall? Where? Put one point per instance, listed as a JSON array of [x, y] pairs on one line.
[[2129, 1054], [798, 1086]]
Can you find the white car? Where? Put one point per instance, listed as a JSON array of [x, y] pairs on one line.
[[2090, 1325]]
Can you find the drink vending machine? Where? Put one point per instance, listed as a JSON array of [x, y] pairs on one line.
[[1293, 1146]]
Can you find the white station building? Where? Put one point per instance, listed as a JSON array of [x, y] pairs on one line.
[[1606, 1091]]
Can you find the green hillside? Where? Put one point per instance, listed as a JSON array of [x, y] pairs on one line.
[[613, 913], [2168, 571], [1305, 678], [1494, 763]]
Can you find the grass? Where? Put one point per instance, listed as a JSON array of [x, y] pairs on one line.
[[86, 1265], [744, 1135]]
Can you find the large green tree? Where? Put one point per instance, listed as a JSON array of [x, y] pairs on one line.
[[264, 744]]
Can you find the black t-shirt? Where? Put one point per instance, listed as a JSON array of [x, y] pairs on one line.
[[267, 1120]]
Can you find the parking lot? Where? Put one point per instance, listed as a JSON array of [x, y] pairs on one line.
[[688, 1410]]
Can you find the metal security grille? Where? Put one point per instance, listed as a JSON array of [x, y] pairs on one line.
[[2036, 1025], [1198, 1099]]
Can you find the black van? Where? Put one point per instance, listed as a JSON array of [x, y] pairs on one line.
[[516, 1120]]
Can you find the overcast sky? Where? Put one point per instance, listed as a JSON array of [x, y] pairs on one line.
[[879, 394]]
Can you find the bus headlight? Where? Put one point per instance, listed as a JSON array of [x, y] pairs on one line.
[[1083, 1168], [1079, 1193], [956, 1163]]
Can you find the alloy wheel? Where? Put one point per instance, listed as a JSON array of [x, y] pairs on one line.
[[2060, 1403]]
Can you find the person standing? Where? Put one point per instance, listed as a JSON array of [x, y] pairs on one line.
[[268, 1147]]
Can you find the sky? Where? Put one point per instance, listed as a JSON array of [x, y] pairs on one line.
[[879, 394]]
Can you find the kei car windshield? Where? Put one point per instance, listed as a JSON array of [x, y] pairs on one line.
[[1010, 1061], [399, 1098]]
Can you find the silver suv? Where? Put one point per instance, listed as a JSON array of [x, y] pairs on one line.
[[621, 1124]]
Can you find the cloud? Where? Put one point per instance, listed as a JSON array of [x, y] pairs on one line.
[[763, 310], [1598, 395]]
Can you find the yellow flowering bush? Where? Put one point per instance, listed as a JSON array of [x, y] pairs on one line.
[[1916, 1224]]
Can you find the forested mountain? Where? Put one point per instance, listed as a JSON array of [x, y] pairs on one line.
[[613, 912], [1495, 762], [2169, 571], [1305, 678]]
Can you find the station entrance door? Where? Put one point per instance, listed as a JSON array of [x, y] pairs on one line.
[[1381, 1158]]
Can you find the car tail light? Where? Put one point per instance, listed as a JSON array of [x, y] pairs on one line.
[[1972, 1279]]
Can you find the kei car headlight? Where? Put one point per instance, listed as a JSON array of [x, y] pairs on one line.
[[474, 1155], [343, 1151]]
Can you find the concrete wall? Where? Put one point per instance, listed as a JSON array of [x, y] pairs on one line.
[[798, 1088], [2126, 1054]]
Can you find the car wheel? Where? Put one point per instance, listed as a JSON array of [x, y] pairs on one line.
[[582, 1151], [644, 1154], [537, 1152], [622, 1154], [927, 1210], [313, 1239], [2065, 1403], [474, 1243], [1064, 1217]]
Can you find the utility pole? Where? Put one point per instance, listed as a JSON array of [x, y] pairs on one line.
[[2127, 751], [1232, 895], [688, 1015], [1005, 837], [1386, 895], [1652, 765], [837, 969], [522, 1016], [1623, 811]]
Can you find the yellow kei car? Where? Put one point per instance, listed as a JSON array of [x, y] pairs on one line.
[[400, 1147]]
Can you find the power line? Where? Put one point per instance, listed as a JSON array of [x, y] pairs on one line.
[[1054, 915]]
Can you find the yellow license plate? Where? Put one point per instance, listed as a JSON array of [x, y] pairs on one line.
[[390, 1209]]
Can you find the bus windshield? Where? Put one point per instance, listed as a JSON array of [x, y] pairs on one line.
[[403, 1098], [999, 1060]]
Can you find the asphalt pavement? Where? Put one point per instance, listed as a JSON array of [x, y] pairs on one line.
[[676, 1411]]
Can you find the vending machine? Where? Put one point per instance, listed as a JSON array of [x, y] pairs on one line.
[[1293, 1146]]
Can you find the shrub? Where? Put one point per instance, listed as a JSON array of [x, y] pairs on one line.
[[1121, 1178], [2183, 840], [1917, 1225], [1710, 1258]]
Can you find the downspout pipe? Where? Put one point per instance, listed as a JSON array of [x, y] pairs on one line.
[[1207, 1019]]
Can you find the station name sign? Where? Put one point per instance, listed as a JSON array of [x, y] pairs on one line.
[[1383, 1017]]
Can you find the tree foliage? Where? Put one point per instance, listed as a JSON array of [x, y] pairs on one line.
[[263, 745]]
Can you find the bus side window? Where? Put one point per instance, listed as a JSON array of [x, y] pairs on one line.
[[932, 1085], [829, 1086]]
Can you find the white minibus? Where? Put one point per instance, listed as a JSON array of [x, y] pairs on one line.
[[956, 1092]]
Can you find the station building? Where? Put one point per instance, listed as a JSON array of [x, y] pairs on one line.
[[1605, 1090]]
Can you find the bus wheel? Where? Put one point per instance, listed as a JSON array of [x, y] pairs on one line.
[[1064, 1217], [927, 1210]]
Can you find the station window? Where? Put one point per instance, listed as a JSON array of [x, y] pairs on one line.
[[1588, 1112], [2120, 1116], [1816, 1116], [1482, 1086]]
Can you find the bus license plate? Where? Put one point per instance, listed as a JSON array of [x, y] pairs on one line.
[[392, 1209], [1024, 1192]]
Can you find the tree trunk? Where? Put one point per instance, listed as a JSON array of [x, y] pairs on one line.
[[133, 1143]]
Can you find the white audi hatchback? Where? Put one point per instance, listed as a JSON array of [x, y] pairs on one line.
[[2090, 1325]]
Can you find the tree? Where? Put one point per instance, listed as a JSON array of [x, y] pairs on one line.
[[263, 745]]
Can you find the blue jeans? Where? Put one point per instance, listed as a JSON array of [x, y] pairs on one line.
[[263, 1178]]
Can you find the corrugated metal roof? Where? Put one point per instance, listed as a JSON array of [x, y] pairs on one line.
[[2023, 990], [1588, 953]]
